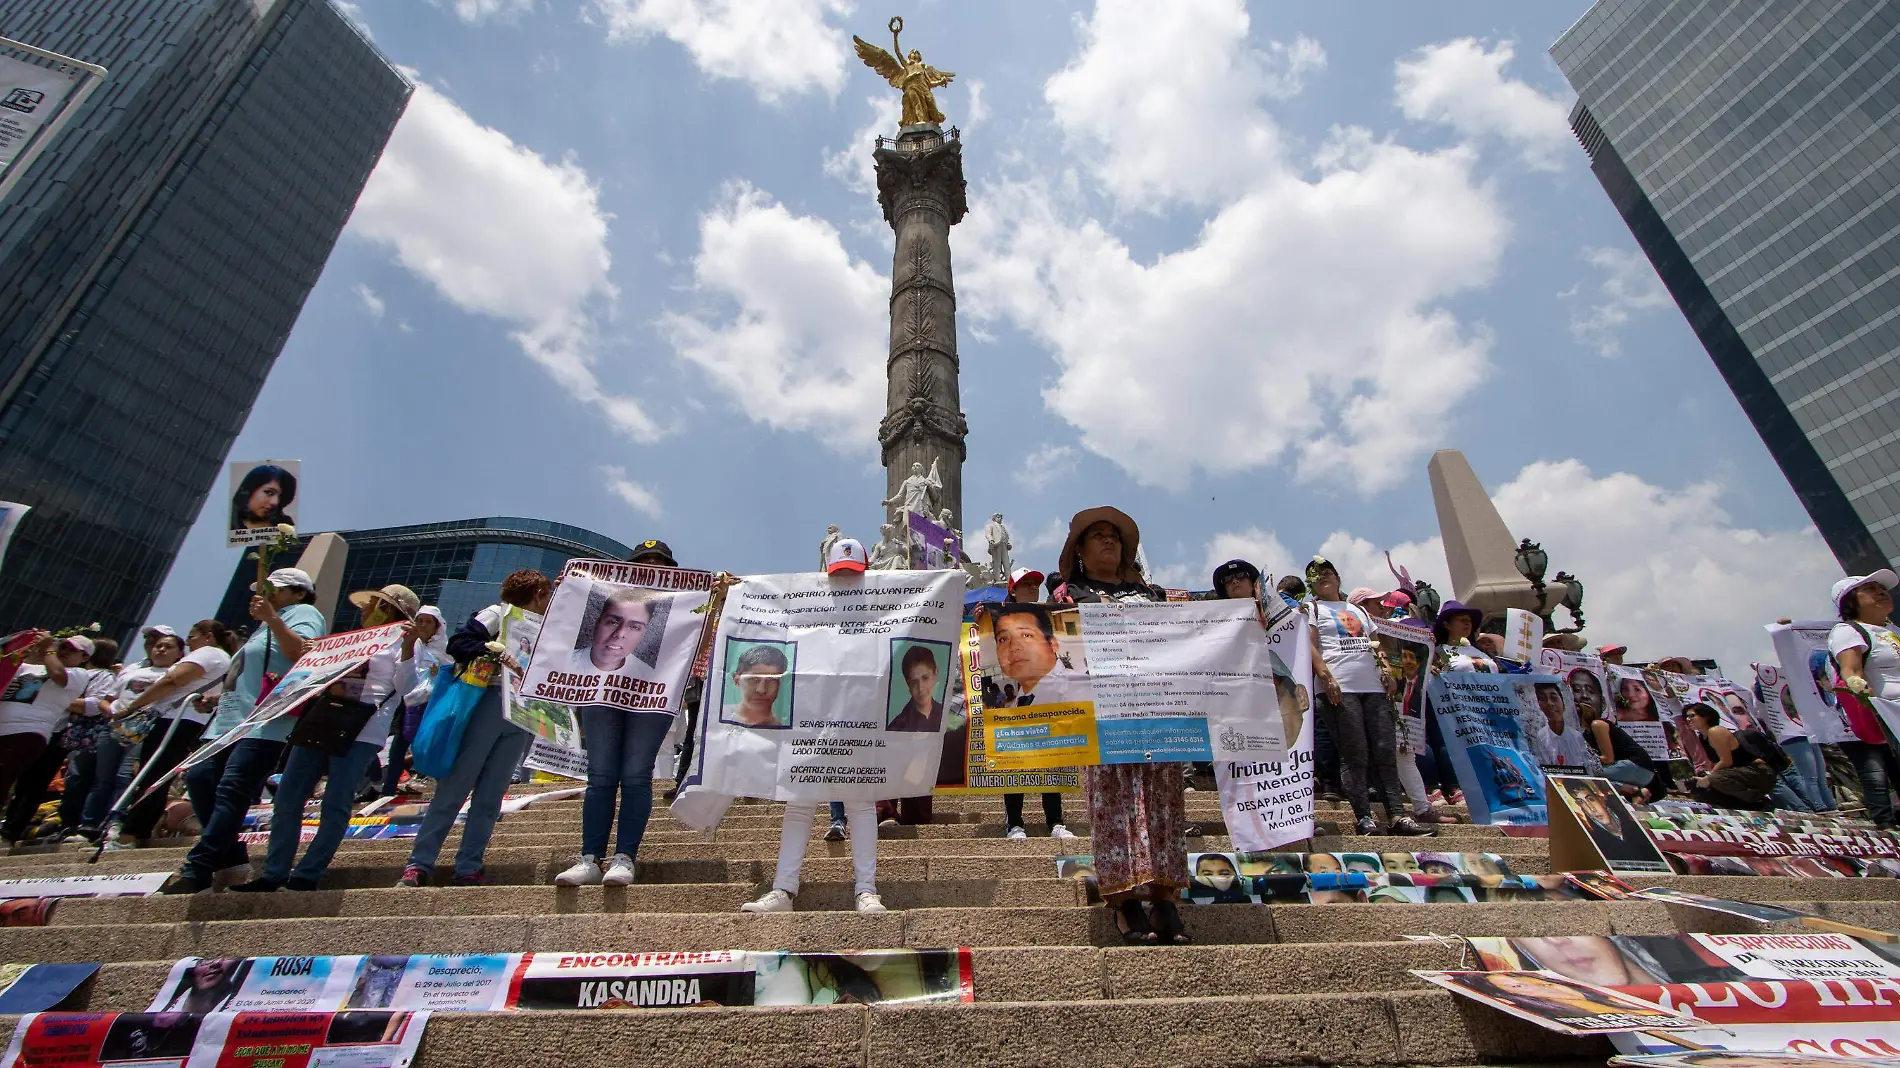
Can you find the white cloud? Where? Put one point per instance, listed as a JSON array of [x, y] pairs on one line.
[[795, 329], [638, 497], [492, 10], [372, 303], [1046, 466], [778, 47], [1627, 286], [501, 231], [853, 164], [1362, 563], [1462, 84]]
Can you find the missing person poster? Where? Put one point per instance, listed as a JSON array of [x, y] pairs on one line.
[[1484, 728], [933, 546], [1561, 1004], [826, 687], [1549, 714], [966, 763], [263, 497], [219, 1040], [1128, 683], [1806, 677], [1583, 676], [1640, 704], [1408, 652], [554, 729], [1774, 701], [1269, 803], [619, 634], [1593, 829]]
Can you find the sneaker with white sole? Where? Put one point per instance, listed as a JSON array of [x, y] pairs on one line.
[[585, 872], [1017, 834], [870, 905], [619, 870], [773, 901], [835, 832], [1059, 831]]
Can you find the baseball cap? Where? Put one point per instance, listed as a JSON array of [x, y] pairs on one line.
[[79, 642], [654, 547], [400, 597], [1230, 569], [1884, 576], [1611, 650], [1017, 576], [290, 578], [1397, 599], [845, 555], [1361, 595], [158, 630]]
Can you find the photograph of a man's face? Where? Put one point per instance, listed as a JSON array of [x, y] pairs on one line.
[[758, 686]]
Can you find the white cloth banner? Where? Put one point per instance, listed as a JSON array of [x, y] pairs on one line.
[[1775, 702], [622, 635], [1269, 803], [826, 687], [1805, 672]]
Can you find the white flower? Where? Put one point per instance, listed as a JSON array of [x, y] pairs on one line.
[[497, 648], [286, 530]]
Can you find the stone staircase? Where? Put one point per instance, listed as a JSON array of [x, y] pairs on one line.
[[1263, 984]]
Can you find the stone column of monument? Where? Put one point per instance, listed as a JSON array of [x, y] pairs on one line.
[[1478, 546], [920, 187]]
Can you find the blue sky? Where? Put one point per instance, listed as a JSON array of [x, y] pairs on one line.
[[1235, 269]]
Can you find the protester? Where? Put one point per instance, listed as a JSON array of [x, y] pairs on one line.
[[75, 731], [1456, 624], [1624, 761], [388, 675], [1810, 763], [48, 681], [1397, 605], [1025, 585], [116, 750], [1867, 656], [180, 722], [491, 746], [1612, 654], [1291, 590], [1744, 771], [431, 653], [228, 784], [1138, 811], [845, 556], [1354, 704]]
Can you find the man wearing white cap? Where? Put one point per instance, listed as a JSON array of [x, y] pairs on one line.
[[1867, 655], [49, 680]]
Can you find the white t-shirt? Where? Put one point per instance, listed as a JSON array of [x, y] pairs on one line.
[[1345, 643], [215, 663], [34, 705], [1882, 668]]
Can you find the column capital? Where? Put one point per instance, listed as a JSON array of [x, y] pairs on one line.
[[928, 179]]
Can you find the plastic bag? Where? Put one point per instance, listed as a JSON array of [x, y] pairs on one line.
[[439, 737]]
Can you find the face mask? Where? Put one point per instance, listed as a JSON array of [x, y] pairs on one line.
[[1221, 882]]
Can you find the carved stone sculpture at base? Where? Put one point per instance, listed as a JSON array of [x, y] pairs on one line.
[[824, 547], [996, 539]]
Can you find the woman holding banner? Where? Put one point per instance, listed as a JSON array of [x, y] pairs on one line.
[[1139, 811], [208, 647], [1867, 656]]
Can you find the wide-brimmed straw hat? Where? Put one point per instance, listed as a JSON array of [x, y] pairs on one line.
[[395, 595], [1115, 517]]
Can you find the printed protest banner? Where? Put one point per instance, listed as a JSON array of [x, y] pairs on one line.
[[619, 634], [1551, 724], [1269, 803], [325, 661], [263, 497], [933, 546], [10, 516], [1523, 636], [1483, 726], [40, 987], [85, 886], [1379, 878], [1566, 1006], [1593, 829], [1583, 674], [1775, 703], [555, 736], [1722, 833], [39, 92], [740, 977], [1128, 683], [230, 984], [1806, 679], [1407, 652], [219, 1040], [1750, 1059], [1638, 704], [826, 687], [963, 735]]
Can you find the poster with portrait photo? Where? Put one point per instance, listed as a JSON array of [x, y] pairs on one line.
[[1807, 673], [1038, 699], [263, 495], [1583, 674], [1486, 732], [1549, 713], [1774, 702], [757, 688], [1409, 651], [1560, 1004], [966, 763], [620, 634], [920, 684], [1639, 704], [1593, 829]]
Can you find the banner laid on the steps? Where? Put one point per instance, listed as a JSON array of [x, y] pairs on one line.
[[40, 987], [1483, 720], [1128, 683], [620, 634], [1809, 845], [1750, 1059], [826, 687], [1268, 803], [217, 1040], [1344, 878], [85, 885], [257, 823], [1593, 829], [963, 738], [550, 981], [1805, 673], [1560, 1004]]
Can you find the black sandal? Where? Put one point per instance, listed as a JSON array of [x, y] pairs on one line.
[[1168, 925], [1132, 922]]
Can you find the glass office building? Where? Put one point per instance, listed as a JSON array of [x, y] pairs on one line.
[[456, 566], [1752, 149], [152, 263]]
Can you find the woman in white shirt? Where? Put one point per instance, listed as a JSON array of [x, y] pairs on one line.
[[1867, 655], [48, 682], [115, 755], [74, 732], [208, 647]]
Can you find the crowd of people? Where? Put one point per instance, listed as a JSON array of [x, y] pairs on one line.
[[75, 711]]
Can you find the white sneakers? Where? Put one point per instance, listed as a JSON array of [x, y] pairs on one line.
[[1017, 834], [619, 871], [585, 872], [870, 905], [775, 901], [1059, 831]]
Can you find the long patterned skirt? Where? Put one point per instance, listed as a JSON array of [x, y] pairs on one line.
[[1139, 814]]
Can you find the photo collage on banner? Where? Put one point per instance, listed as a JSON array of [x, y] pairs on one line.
[[219, 1040], [263, 498], [1724, 842], [1807, 679], [826, 687], [1641, 705], [1487, 730], [1128, 682], [1810, 992], [1269, 803], [933, 546], [1376, 878], [1775, 705], [965, 768]]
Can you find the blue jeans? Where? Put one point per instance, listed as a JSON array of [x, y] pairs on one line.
[[201, 785], [621, 749], [491, 748], [837, 812], [112, 764], [1810, 767], [1875, 763], [246, 767], [1629, 773], [299, 781], [1786, 795]]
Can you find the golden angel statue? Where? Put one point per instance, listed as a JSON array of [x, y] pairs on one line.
[[910, 74]]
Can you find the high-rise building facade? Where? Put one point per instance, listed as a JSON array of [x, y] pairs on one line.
[[1751, 147], [457, 566], [152, 263]]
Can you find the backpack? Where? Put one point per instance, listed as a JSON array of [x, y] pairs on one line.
[[1764, 748]]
